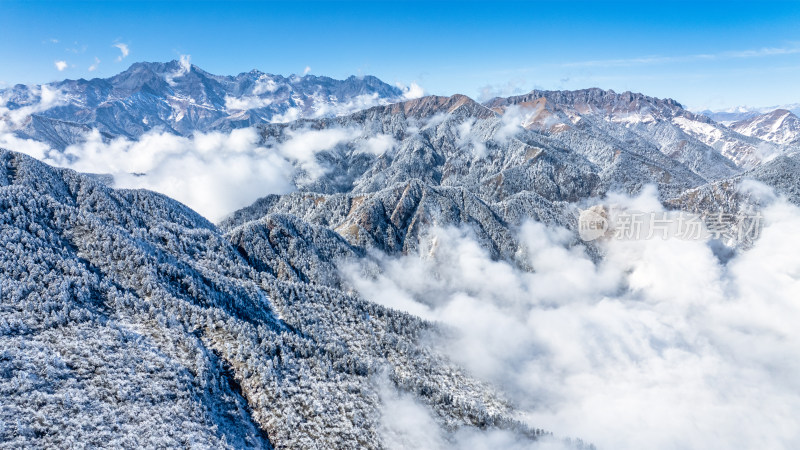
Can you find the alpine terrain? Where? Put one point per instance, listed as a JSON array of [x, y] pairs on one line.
[[130, 320]]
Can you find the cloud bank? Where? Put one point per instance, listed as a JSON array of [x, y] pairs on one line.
[[659, 345], [213, 173], [408, 424]]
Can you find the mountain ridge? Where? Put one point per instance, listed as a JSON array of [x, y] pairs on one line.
[[181, 98], [195, 338]]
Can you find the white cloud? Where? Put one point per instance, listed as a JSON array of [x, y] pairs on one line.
[[61, 65], [40, 98], [468, 138], [307, 70], [408, 424], [377, 144], [473, 134], [30, 147], [659, 345], [96, 63], [302, 147], [246, 102], [124, 51], [186, 62], [511, 87], [185, 65], [323, 108], [412, 91], [264, 85], [511, 122], [213, 173], [405, 423], [290, 115]]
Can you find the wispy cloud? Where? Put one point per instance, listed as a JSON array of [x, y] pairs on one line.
[[511, 87], [307, 70], [246, 102], [77, 48], [38, 99], [96, 63], [186, 62], [123, 48], [656, 59], [185, 66], [60, 65]]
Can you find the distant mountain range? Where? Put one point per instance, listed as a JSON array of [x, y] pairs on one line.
[[739, 113], [181, 98]]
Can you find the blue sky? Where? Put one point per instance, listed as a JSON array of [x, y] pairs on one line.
[[704, 54]]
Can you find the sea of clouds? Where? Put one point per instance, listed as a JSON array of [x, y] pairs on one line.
[[213, 173], [659, 345]]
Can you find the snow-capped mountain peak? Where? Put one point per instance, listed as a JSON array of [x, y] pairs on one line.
[[181, 98], [780, 126]]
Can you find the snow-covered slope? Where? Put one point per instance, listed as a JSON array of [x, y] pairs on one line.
[[454, 141], [130, 321], [454, 162], [638, 121], [779, 126]]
